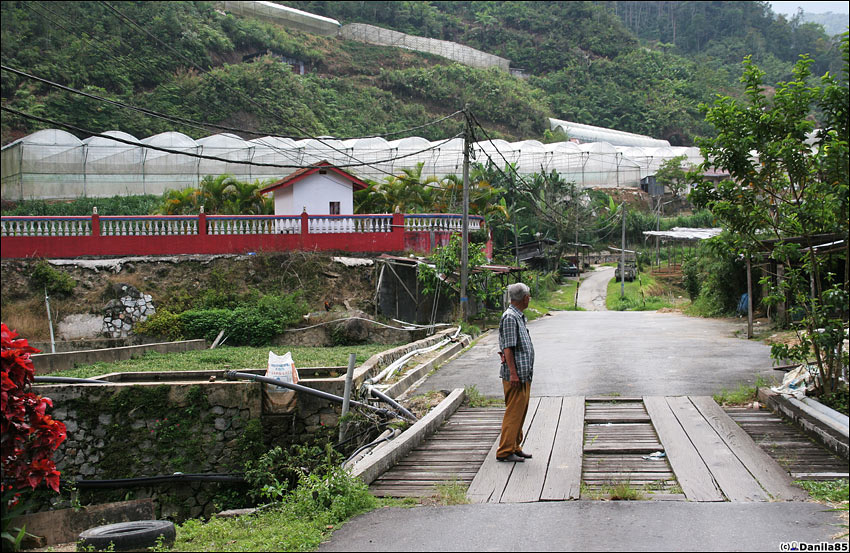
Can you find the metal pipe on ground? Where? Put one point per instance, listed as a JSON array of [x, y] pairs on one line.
[[387, 399], [162, 479], [66, 380], [236, 375]]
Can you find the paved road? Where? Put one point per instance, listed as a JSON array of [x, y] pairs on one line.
[[588, 526], [625, 352], [594, 288], [594, 353]]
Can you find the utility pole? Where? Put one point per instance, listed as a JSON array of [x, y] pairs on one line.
[[623, 255], [658, 229], [464, 253]]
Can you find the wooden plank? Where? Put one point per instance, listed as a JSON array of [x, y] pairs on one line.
[[622, 448], [820, 475], [611, 399], [527, 480], [730, 474], [773, 478], [492, 477], [563, 477], [624, 417], [691, 471]]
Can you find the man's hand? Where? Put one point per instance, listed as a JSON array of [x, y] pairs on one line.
[[511, 362], [515, 382]]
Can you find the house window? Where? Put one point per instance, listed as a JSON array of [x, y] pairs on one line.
[[334, 209]]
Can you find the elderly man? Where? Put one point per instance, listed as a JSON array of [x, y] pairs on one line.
[[517, 369]]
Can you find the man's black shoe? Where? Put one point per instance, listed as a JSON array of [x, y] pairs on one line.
[[523, 454], [512, 458]]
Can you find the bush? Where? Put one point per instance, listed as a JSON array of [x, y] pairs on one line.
[[55, 282], [253, 325], [163, 324], [715, 279]]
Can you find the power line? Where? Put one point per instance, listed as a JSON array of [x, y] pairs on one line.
[[129, 21], [213, 158], [527, 190], [205, 125], [190, 122]]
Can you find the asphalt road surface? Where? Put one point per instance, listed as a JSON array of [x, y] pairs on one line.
[[631, 353], [594, 289], [590, 526]]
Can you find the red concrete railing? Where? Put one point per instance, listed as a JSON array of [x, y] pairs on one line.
[[96, 235]]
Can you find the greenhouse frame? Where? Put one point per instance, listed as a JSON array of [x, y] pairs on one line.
[[52, 164]]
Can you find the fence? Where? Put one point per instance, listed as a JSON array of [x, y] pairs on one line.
[[96, 235], [370, 34]]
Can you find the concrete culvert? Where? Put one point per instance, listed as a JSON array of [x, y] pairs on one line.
[[128, 536]]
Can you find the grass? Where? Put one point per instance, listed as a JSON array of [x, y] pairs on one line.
[[636, 296], [620, 491], [236, 357], [477, 400], [834, 493], [452, 492], [742, 395], [831, 491], [560, 299]]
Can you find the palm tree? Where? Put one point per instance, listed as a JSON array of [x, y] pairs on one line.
[[179, 202]]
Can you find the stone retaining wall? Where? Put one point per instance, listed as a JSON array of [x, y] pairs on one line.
[[120, 430]]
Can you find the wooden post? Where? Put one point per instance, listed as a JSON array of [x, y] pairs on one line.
[[749, 299], [346, 398], [781, 313]]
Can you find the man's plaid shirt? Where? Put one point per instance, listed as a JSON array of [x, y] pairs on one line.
[[513, 333]]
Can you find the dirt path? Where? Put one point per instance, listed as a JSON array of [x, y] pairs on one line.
[[594, 289]]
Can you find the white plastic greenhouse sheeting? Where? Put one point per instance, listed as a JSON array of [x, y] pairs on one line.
[[53, 164], [284, 15], [589, 133]]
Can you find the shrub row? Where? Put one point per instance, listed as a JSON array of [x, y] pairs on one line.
[[254, 325]]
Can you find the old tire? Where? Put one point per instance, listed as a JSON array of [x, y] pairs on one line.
[[128, 536]]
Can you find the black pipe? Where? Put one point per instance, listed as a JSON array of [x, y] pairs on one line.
[[236, 375], [69, 380], [387, 399], [162, 479]]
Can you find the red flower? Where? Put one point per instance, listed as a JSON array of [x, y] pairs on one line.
[[29, 434]]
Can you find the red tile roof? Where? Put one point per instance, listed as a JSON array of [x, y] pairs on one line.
[[305, 171]]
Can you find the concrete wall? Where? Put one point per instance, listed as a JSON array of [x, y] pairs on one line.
[[313, 194], [124, 430], [371, 34], [46, 363]]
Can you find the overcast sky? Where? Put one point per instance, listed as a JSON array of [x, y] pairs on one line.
[[790, 8]]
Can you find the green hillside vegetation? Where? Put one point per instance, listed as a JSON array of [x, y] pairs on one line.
[[585, 64]]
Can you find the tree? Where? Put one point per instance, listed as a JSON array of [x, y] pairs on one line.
[[29, 434], [790, 192], [671, 175]]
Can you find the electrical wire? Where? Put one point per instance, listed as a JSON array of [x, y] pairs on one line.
[[211, 158], [131, 22], [527, 190], [201, 124], [416, 327], [189, 122]]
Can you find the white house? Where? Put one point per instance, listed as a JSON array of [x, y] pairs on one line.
[[320, 189]]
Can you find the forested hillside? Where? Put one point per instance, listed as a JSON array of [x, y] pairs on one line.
[[615, 64]]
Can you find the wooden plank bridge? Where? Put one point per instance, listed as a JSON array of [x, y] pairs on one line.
[[664, 448]]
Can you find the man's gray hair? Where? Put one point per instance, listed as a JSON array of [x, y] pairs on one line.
[[518, 291]]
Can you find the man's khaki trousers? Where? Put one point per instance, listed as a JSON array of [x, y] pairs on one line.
[[516, 405]]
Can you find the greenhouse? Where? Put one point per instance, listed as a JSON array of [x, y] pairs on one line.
[[54, 164]]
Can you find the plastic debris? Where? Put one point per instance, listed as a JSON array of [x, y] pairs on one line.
[[796, 382], [657, 456]]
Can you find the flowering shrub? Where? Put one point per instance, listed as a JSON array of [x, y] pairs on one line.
[[29, 435]]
